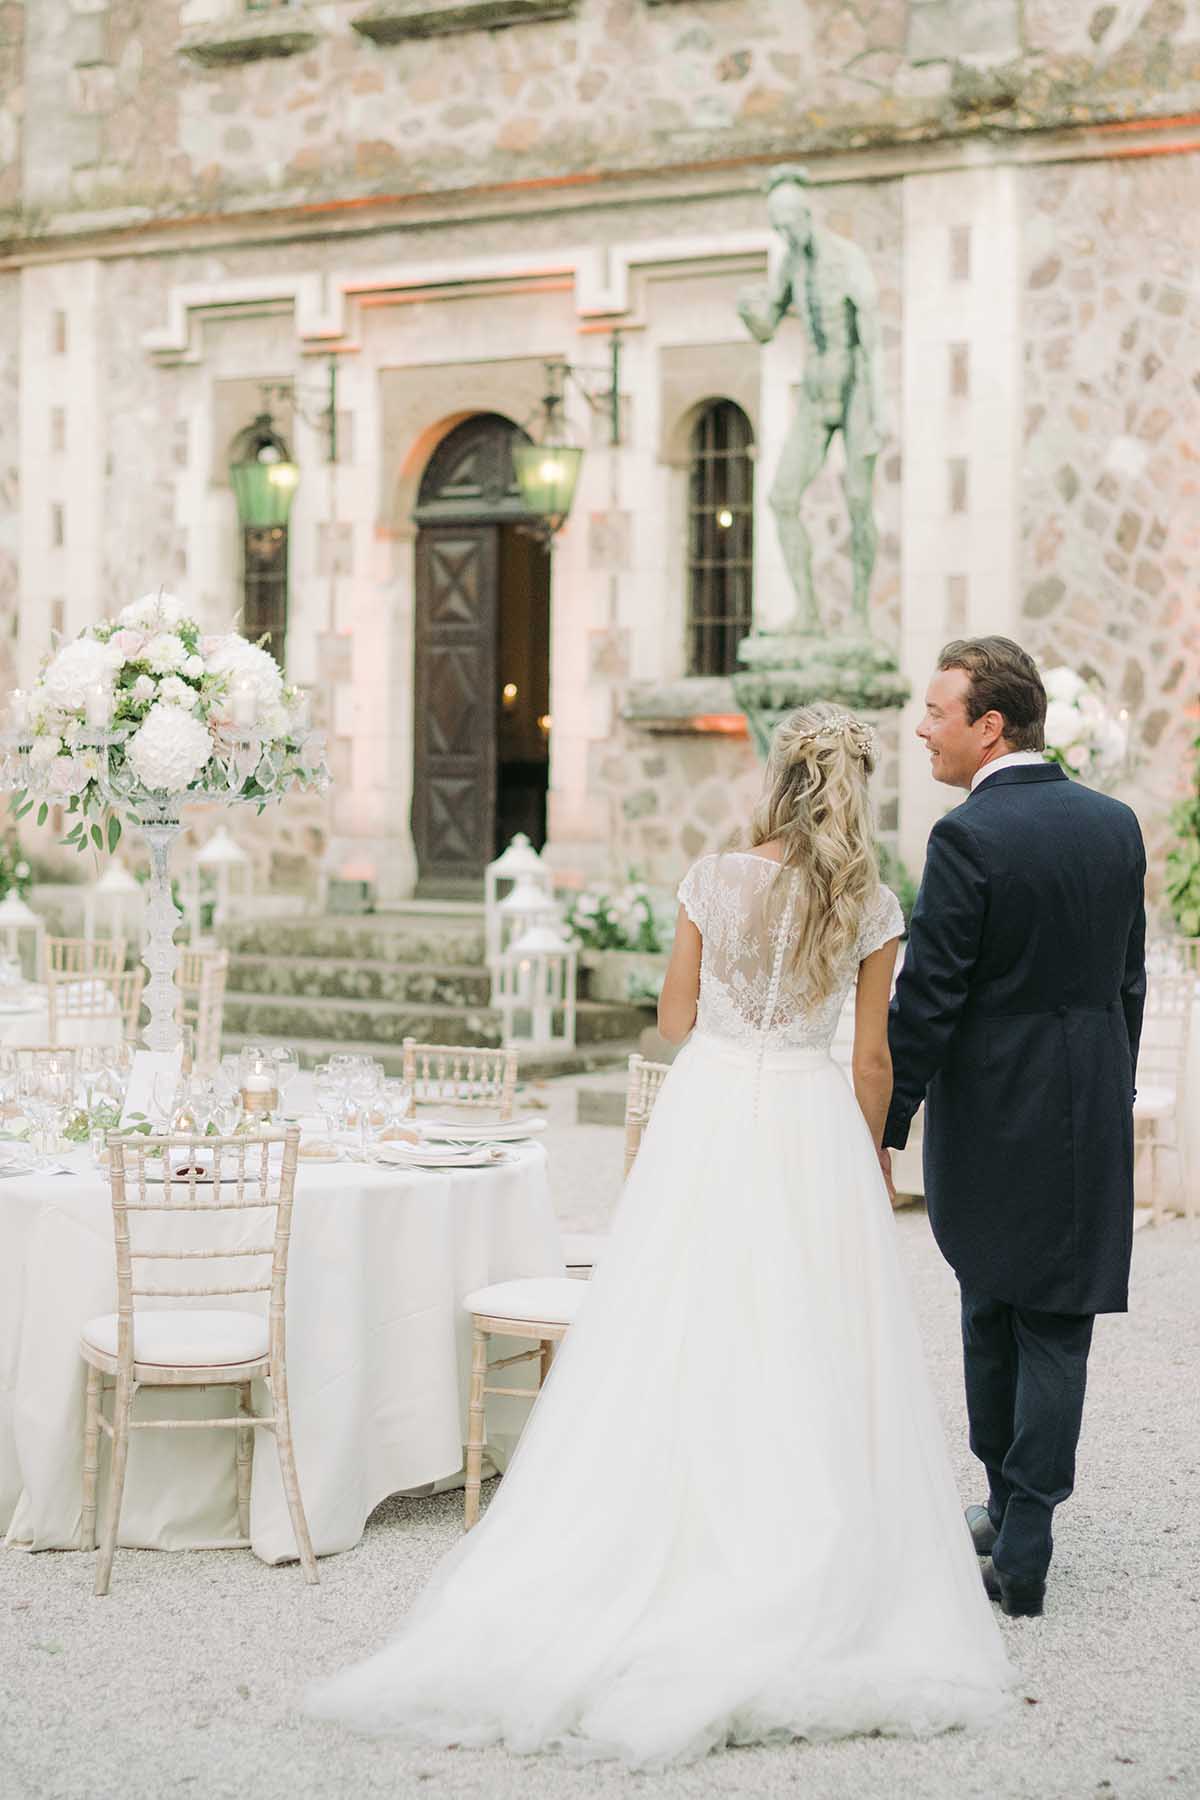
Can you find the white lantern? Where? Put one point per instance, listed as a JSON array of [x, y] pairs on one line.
[[16, 919], [221, 871], [519, 864], [528, 904], [534, 989], [113, 906]]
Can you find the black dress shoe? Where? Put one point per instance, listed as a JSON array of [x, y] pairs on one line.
[[983, 1532], [1019, 1599]]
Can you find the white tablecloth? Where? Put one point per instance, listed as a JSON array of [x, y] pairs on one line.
[[378, 1352]]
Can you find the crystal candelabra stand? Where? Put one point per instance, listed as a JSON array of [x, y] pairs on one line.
[[159, 819]]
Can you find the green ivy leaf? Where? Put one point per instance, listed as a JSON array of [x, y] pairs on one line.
[[97, 837], [43, 812], [114, 832]]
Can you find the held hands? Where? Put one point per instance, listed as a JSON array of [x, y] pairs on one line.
[[885, 1165]]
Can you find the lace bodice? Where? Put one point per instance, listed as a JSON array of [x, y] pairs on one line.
[[747, 993]]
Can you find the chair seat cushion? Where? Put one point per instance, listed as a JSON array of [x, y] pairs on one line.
[[1154, 1103], [549, 1299], [180, 1339]]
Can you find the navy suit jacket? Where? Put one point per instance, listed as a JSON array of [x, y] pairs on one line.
[[1016, 1019]]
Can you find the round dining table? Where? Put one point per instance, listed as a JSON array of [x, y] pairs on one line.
[[378, 1352]]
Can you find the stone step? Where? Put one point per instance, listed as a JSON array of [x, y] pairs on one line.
[[402, 938], [356, 978], [285, 1017], [543, 1065]]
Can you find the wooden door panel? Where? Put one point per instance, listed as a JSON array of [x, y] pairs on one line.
[[454, 762]]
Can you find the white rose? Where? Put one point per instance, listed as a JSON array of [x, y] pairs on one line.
[[144, 688], [165, 653], [233, 657], [193, 668], [1062, 684], [168, 749], [43, 752], [177, 693], [1064, 724]]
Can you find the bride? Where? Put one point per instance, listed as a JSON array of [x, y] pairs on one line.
[[731, 1518]]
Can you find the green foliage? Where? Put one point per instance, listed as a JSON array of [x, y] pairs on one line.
[[15, 873], [1183, 859]]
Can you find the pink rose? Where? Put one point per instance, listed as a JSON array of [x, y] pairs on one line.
[[128, 642]]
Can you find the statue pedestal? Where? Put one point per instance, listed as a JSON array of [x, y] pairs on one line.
[[786, 669]]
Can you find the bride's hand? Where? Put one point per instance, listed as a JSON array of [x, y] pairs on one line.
[[885, 1164]]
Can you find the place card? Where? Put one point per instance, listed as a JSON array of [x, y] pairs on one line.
[[148, 1065]]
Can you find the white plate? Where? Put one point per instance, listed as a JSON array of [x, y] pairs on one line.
[[459, 1131], [429, 1156]]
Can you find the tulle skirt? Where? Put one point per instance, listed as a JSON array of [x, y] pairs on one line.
[[731, 1518]]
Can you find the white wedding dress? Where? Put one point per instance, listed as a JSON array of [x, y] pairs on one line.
[[731, 1518]]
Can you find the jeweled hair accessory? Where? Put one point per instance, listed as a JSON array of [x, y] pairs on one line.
[[850, 730]]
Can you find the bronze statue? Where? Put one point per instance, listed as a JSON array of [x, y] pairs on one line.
[[826, 282]]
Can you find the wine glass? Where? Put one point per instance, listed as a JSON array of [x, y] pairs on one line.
[[287, 1067], [362, 1087], [167, 1094], [329, 1095]]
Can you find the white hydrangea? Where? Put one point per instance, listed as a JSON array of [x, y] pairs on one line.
[[165, 653], [168, 749], [1063, 684], [234, 657], [177, 693], [153, 610], [1065, 725], [73, 670]]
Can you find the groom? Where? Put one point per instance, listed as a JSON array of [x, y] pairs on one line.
[[1016, 1019]]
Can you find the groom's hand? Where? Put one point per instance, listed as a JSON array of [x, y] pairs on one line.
[[885, 1165]]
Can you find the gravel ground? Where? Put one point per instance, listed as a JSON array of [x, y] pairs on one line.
[[185, 1681]]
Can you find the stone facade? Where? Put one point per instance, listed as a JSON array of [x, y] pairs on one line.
[[199, 197]]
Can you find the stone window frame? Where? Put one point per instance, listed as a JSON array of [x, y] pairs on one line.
[[241, 35], [388, 22]]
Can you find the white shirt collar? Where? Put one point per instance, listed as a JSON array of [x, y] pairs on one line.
[[1016, 759]]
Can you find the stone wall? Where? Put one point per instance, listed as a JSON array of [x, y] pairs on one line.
[[1111, 468], [116, 116]]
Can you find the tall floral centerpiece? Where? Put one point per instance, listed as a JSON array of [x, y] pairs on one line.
[[136, 717], [1081, 733]]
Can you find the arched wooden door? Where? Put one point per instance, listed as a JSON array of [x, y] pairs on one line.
[[481, 670]]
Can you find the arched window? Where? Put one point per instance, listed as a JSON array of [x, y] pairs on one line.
[[263, 478], [265, 587], [720, 538]]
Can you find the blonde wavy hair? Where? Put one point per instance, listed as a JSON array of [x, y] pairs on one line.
[[814, 805]]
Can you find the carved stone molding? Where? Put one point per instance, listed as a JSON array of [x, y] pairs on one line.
[[700, 705], [395, 21], [250, 37]]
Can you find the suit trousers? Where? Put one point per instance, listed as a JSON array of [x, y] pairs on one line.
[[1026, 1373]]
